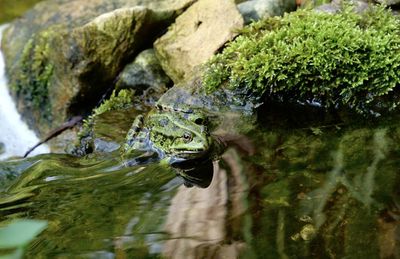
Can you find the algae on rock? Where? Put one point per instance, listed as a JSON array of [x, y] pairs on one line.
[[63, 55]]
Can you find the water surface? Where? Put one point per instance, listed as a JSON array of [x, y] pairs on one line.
[[327, 191]]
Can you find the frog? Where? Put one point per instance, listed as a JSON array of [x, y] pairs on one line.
[[187, 125], [175, 136]]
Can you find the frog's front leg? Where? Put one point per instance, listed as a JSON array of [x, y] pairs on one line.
[[136, 127], [136, 138]]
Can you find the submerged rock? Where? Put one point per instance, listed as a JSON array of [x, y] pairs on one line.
[[196, 35], [63, 55]]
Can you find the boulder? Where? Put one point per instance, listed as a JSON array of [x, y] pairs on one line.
[[254, 10], [196, 35], [145, 76], [63, 55]]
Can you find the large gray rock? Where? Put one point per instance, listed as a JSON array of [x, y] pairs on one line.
[[196, 35], [63, 55], [145, 76], [254, 10]]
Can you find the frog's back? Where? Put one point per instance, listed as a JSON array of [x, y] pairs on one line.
[[191, 95]]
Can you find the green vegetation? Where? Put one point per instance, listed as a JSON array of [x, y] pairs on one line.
[[18, 234], [344, 59], [11, 9], [122, 100], [36, 72]]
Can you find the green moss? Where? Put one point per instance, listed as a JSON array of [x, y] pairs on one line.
[[122, 100], [36, 73], [343, 59]]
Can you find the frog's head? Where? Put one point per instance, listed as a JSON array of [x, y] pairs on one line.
[[179, 135]]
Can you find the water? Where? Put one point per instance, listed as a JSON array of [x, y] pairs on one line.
[[326, 191], [14, 133]]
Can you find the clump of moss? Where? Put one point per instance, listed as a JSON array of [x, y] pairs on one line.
[[345, 59], [122, 100], [36, 71]]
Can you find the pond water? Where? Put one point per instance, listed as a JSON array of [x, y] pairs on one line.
[[320, 191]]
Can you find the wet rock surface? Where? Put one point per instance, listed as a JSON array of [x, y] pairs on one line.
[[145, 76], [62, 55]]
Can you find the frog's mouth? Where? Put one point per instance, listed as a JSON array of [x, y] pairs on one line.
[[190, 161], [187, 154]]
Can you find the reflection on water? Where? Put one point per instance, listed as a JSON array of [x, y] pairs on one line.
[[326, 192]]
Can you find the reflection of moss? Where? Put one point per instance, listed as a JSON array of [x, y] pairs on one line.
[[36, 72], [334, 188], [343, 59], [122, 100], [276, 194]]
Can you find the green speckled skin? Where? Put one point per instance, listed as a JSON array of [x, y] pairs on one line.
[[172, 134]]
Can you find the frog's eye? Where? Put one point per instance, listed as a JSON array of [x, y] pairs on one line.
[[187, 137]]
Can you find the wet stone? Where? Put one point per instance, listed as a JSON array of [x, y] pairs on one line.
[[254, 10], [145, 76]]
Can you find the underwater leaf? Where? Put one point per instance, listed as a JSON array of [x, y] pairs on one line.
[[20, 233]]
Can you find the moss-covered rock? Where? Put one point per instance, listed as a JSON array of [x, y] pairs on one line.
[[62, 55], [105, 129], [196, 35], [345, 59]]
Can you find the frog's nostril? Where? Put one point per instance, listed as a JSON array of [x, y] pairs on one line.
[[199, 121]]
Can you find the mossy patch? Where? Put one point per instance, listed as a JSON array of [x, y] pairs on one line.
[[117, 101], [345, 59], [36, 72]]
